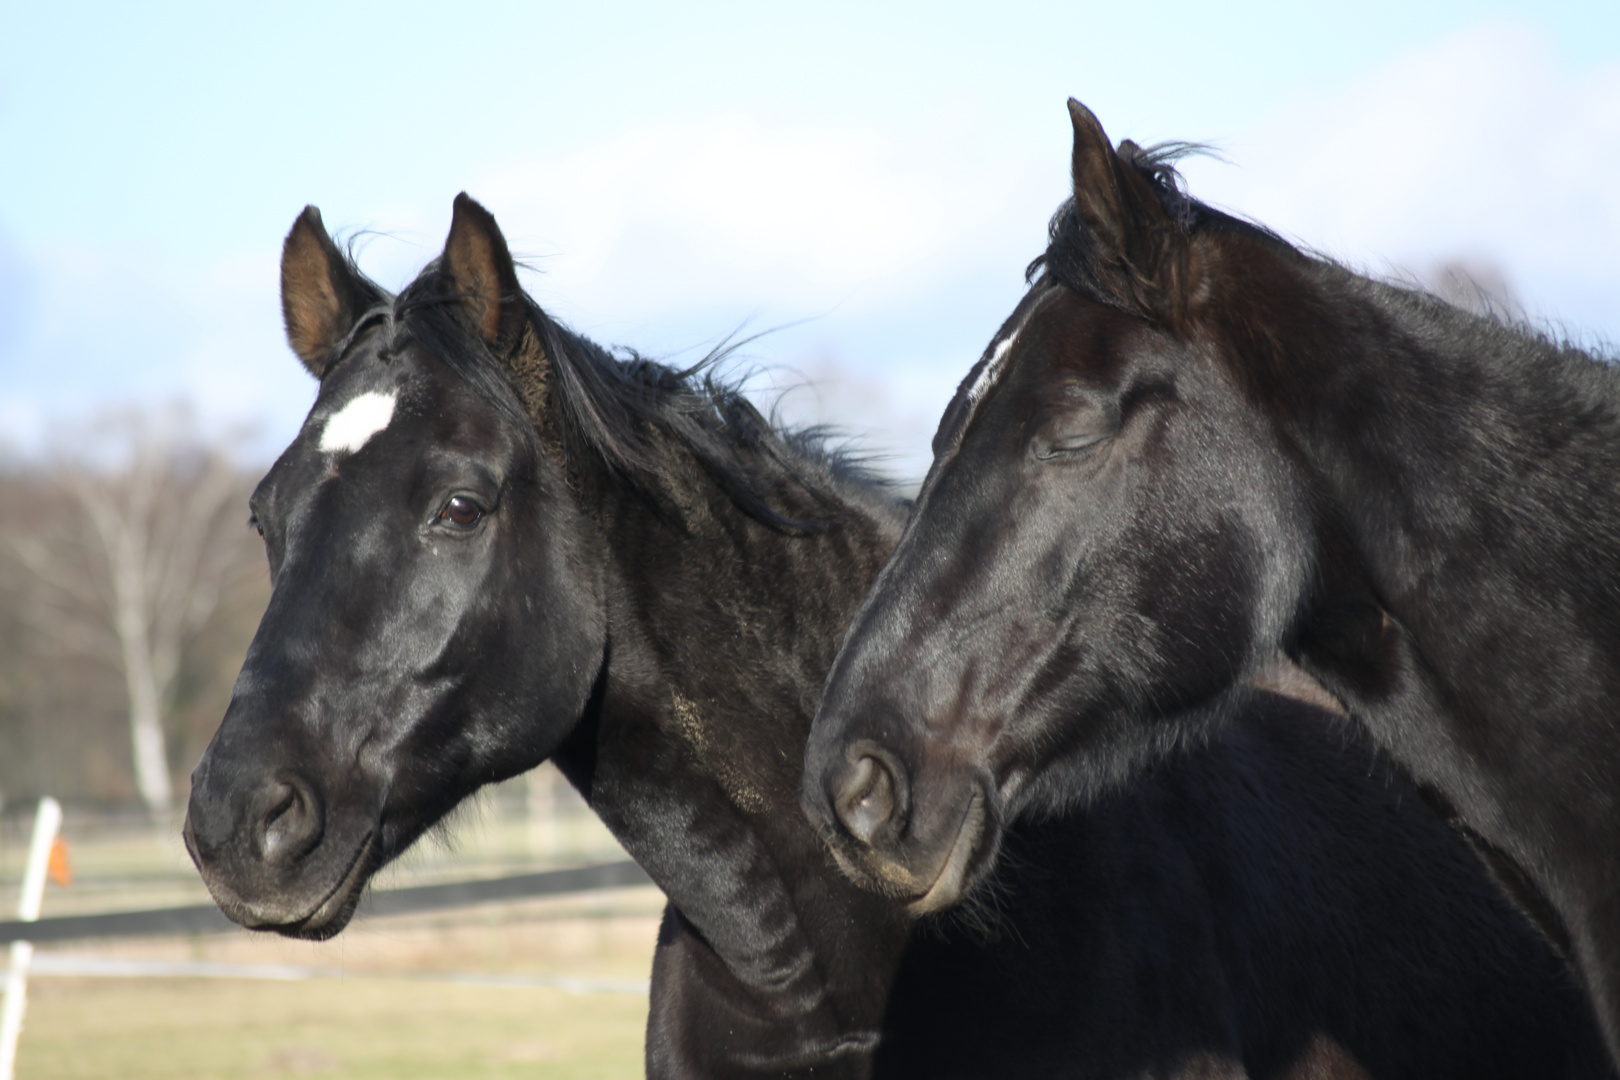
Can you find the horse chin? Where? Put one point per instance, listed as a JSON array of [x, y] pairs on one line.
[[968, 857], [324, 918], [332, 914]]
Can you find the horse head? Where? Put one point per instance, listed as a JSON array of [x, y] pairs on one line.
[[413, 528], [1107, 533]]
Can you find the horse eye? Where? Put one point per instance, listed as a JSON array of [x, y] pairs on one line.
[[256, 525], [462, 512], [1047, 449], [1080, 428]]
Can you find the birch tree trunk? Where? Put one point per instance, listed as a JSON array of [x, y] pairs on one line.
[[160, 525]]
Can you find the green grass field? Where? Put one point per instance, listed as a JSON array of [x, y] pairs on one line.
[[383, 1028], [392, 1013]]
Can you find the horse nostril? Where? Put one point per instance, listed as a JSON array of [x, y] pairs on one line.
[[868, 799], [291, 821]]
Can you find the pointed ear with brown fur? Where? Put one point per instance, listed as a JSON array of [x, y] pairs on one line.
[[321, 294], [1137, 244], [483, 276]]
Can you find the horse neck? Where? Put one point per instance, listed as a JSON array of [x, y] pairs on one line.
[[1466, 479], [721, 633], [1446, 429]]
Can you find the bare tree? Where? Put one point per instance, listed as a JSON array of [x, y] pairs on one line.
[[161, 540]]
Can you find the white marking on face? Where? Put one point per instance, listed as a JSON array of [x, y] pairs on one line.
[[996, 366], [992, 371], [352, 426]]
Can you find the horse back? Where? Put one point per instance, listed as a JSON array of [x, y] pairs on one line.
[[1323, 858], [1279, 903]]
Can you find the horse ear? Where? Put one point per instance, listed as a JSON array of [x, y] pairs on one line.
[[1135, 238], [321, 294], [483, 276]]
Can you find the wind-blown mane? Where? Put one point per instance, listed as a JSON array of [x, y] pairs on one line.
[[1073, 255], [608, 403]]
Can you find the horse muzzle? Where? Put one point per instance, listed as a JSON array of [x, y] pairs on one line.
[[276, 854], [921, 838]]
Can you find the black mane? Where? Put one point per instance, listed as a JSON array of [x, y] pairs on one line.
[[609, 403], [1071, 256]]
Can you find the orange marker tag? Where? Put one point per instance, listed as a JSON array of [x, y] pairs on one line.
[[57, 866]]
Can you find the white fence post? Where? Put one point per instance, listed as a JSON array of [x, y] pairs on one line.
[[46, 824], [544, 828]]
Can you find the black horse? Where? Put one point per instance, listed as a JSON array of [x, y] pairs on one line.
[[493, 542], [1192, 444]]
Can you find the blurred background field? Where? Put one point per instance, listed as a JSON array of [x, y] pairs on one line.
[[547, 987], [358, 1027], [122, 860]]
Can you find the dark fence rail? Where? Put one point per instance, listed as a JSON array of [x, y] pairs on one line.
[[207, 919]]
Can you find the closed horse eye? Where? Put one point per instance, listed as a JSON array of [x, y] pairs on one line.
[[1078, 430], [461, 512], [1047, 449]]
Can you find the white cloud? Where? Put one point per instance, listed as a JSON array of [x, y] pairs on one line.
[[882, 240], [668, 238], [1478, 149], [107, 326], [736, 211], [904, 249]]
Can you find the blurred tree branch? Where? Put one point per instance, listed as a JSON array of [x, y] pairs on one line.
[[159, 540]]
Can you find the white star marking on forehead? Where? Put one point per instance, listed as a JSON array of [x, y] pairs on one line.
[[995, 367], [992, 371], [352, 426]]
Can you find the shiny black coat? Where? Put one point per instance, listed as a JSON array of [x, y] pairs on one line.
[[1191, 445], [521, 547]]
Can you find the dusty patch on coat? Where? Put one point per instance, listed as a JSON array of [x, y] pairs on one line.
[[694, 728], [1325, 1059]]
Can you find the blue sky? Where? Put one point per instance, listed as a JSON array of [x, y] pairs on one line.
[[674, 171]]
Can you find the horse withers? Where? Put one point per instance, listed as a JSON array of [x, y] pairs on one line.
[[493, 541], [1190, 445]]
